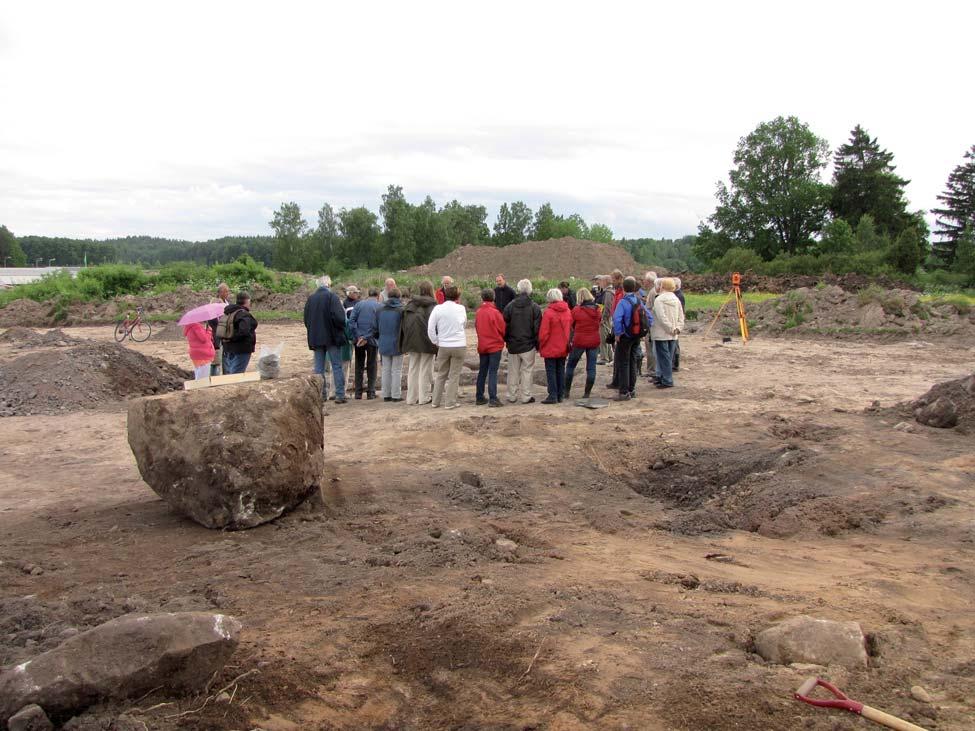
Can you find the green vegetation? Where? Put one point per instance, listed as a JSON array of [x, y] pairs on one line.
[[795, 308]]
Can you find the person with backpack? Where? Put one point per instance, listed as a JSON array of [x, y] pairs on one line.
[[586, 339], [414, 341], [324, 319], [489, 325], [553, 343], [631, 323], [217, 365], [238, 333], [364, 324], [668, 321], [388, 321]]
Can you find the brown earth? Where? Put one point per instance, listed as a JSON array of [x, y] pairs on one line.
[[532, 566], [960, 392], [780, 285]]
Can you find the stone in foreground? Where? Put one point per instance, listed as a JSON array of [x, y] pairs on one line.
[[30, 718], [819, 641], [232, 456], [123, 658]]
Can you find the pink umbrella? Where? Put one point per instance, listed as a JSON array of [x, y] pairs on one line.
[[203, 313]]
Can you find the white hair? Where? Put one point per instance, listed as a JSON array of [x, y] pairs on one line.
[[656, 285], [676, 283], [553, 295], [524, 286], [652, 276], [325, 281]]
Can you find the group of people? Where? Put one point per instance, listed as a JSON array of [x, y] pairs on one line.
[[223, 345], [616, 322]]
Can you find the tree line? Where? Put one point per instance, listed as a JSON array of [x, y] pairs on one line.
[[776, 208], [406, 234]]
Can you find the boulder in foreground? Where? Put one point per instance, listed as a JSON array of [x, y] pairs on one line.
[[123, 658], [818, 641], [232, 456]]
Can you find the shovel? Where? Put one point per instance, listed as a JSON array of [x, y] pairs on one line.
[[841, 701]]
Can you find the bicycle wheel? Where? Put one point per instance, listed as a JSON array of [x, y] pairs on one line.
[[121, 331], [140, 331]]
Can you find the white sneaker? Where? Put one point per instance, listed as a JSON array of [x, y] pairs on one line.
[[452, 406], [436, 406]]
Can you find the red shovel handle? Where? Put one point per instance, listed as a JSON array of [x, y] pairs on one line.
[[840, 701]]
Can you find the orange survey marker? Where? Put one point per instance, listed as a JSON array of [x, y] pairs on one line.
[[735, 294]]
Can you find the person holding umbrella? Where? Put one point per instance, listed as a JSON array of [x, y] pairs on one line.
[[201, 337]]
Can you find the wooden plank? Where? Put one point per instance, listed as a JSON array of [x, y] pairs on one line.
[[222, 380]]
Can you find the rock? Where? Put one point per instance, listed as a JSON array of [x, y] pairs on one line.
[[30, 718], [506, 545], [941, 413], [125, 657], [658, 465], [471, 478], [232, 456], [873, 316], [904, 426], [818, 641], [920, 694]]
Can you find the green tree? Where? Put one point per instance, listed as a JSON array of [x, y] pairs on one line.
[[738, 259], [360, 238], [837, 238], [429, 232], [601, 232], [965, 254], [465, 224], [575, 226], [546, 224], [867, 237], [776, 200], [10, 252], [905, 253], [327, 232], [864, 182], [397, 229], [513, 224], [958, 212], [289, 231]]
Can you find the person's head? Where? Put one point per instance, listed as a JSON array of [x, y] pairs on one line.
[[325, 281], [394, 292], [500, 280], [243, 299], [649, 278], [553, 295], [584, 295], [451, 293], [390, 285], [677, 283], [426, 288], [605, 280], [657, 284], [373, 292], [630, 285], [564, 286], [352, 292], [667, 284], [617, 277], [525, 287], [487, 295], [223, 291], [446, 282]]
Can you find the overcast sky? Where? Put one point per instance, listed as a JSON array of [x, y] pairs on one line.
[[197, 119]]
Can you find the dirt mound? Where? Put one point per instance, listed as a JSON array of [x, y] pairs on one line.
[[25, 312], [948, 404], [780, 285], [24, 337], [83, 376], [832, 310], [551, 259]]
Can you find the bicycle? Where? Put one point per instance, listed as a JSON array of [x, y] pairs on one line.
[[137, 328]]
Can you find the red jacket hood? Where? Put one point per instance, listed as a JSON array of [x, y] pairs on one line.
[[559, 306]]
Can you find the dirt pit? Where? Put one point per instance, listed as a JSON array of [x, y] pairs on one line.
[[527, 567]]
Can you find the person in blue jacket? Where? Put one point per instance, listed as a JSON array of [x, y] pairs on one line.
[[626, 339], [389, 319], [364, 323]]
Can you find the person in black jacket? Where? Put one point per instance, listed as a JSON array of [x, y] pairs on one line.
[[568, 296], [503, 294], [240, 347], [325, 325], [522, 319]]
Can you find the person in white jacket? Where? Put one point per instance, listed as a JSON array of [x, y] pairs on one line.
[[445, 328], [668, 321]]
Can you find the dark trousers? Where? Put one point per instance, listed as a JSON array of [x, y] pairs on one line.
[[488, 371], [365, 358], [628, 367], [665, 360], [574, 357], [555, 377], [677, 356]]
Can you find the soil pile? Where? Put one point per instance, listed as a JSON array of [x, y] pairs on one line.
[[780, 285], [24, 337], [551, 259], [831, 310], [948, 404], [83, 376]]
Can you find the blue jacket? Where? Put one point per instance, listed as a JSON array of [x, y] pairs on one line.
[[390, 316], [623, 315], [364, 321]]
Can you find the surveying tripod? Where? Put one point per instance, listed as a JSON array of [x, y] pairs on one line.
[[735, 295]]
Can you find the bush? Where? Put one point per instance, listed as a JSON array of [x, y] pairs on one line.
[[738, 259], [115, 279]]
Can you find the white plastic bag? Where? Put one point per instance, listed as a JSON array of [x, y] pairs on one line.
[[269, 361]]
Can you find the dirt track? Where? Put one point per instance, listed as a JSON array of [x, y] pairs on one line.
[[395, 608]]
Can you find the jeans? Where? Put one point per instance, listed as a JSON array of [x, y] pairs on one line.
[[235, 362], [365, 358], [488, 371], [665, 360], [450, 361], [626, 360], [555, 377], [570, 369], [201, 371], [334, 355], [393, 376], [216, 367]]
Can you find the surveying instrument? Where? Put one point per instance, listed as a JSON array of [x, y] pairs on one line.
[[735, 295]]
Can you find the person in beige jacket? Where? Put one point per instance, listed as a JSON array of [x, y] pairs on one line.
[[668, 321]]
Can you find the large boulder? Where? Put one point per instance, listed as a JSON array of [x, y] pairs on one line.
[[818, 641], [232, 456], [941, 413], [125, 657]]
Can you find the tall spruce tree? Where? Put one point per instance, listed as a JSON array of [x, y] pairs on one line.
[[864, 182], [959, 208]]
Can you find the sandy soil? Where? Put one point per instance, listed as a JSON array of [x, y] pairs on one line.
[[633, 594]]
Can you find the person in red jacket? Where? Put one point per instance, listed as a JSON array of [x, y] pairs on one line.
[[586, 319], [201, 349], [490, 328], [553, 343], [440, 294]]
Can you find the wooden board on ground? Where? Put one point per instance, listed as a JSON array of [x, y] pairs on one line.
[[222, 380]]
